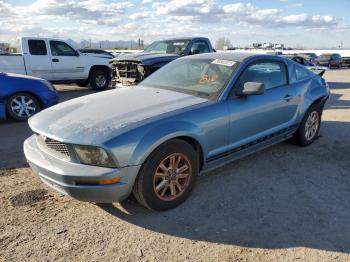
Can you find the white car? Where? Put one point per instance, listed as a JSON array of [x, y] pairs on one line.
[[56, 61]]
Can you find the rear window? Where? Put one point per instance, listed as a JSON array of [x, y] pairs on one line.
[[37, 47]]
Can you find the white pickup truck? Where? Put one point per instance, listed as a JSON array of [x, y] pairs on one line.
[[56, 61]]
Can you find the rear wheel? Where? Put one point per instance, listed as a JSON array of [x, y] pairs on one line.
[[99, 80], [310, 126], [21, 106], [167, 176]]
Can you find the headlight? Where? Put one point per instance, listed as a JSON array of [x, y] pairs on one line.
[[96, 156]]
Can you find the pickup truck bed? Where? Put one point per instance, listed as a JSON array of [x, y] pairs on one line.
[[12, 63]]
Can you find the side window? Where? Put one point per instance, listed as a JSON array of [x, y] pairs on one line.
[[37, 47], [59, 48], [301, 73], [200, 47], [271, 74]]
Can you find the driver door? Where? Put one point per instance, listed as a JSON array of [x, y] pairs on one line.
[[255, 116]]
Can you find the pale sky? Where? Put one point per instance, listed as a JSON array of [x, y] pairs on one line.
[[297, 23]]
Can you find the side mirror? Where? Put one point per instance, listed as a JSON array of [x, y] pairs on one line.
[[251, 88], [77, 53]]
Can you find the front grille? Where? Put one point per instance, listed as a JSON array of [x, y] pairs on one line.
[[57, 146], [53, 147]]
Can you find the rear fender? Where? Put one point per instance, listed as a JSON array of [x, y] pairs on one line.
[[318, 93]]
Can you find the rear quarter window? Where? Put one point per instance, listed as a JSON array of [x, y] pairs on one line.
[[37, 47], [300, 73]]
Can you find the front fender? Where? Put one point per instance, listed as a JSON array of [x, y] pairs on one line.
[[161, 133]]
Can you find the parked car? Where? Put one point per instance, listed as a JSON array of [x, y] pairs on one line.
[[58, 62], [299, 59], [192, 115], [130, 69], [329, 60], [311, 57], [102, 52], [23, 96], [346, 62], [320, 70]]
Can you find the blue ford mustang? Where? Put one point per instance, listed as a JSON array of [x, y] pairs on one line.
[[192, 115], [23, 96]]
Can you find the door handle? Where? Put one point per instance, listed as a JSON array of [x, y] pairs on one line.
[[288, 98], [55, 60]]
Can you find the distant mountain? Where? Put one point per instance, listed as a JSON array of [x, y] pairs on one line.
[[123, 44]]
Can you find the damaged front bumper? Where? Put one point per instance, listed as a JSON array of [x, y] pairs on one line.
[[128, 73]]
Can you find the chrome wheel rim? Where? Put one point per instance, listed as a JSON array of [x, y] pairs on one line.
[[101, 80], [311, 126], [23, 106], [172, 177]]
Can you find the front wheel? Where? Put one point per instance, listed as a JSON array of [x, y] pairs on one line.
[[21, 106], [99, 80], [310, 126], [167, 176]]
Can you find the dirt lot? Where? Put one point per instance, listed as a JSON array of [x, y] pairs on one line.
[[284, 203]]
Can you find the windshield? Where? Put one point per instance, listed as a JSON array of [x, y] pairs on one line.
[[199, 77], [168, 46]]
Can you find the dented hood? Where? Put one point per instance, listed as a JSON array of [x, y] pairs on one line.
[[95, 119]]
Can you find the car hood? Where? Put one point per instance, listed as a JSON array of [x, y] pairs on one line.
[[104, 56], [95, 119], [146, 57]]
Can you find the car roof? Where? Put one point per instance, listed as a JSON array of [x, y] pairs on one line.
[[233, 56]]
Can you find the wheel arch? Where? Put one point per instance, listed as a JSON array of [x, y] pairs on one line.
[[100, 67], [160, 134], [191, 140]]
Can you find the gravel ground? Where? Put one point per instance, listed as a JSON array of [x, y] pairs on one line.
[[285, 203]]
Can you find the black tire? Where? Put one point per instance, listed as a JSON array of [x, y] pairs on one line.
[[99, 79], [144, 188], [25, 110], [301, 136]]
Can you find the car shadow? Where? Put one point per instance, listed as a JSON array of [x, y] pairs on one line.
[[282, 197]]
